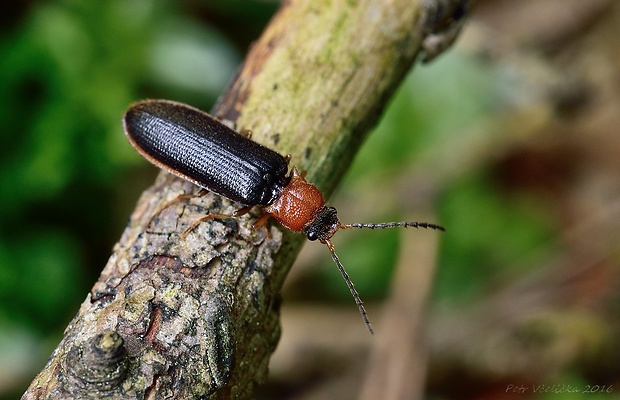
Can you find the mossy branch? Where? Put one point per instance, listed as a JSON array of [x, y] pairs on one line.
[[198, 317]]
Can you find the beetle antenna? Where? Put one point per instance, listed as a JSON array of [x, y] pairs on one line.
[[403, 224], [356, 296]]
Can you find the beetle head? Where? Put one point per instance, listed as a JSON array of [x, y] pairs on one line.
[[324, 225]]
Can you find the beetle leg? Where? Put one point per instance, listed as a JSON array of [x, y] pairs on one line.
[[261, 222], [181, 197], [236, 214], [242, 211], [203, 219]]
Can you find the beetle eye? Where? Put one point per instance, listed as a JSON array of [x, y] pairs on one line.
[[312, 236]]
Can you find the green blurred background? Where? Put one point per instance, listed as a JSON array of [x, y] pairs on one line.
[[509, 139]]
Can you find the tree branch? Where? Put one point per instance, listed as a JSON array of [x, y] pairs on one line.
[[199, 317]]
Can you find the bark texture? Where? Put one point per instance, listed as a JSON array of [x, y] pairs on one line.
[[198, 316]]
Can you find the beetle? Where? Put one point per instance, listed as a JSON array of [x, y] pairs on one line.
[[195, 146]]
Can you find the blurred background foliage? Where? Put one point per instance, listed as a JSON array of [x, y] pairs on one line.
[[509, 140]]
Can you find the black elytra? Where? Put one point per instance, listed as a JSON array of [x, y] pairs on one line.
[[193, 145]]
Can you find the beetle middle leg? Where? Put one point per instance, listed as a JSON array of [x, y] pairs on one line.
[[210, 216], [181, 197]]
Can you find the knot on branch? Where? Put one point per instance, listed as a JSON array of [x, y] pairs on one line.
[[98, 365]]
